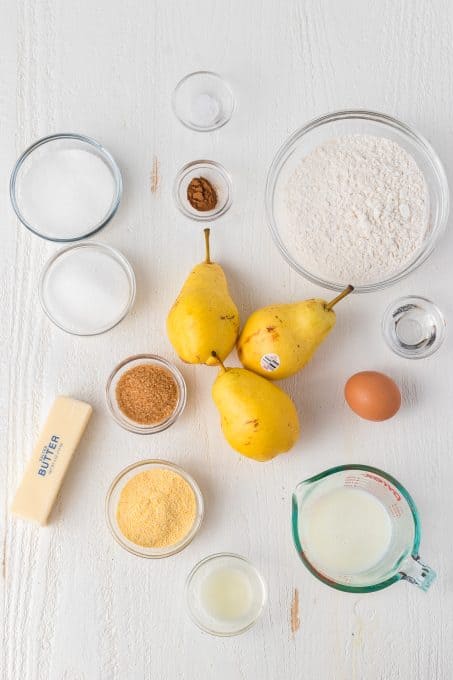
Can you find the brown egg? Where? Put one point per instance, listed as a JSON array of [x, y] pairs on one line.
[[372, 395]]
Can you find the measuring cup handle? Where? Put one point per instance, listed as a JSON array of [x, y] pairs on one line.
[[418, 573]]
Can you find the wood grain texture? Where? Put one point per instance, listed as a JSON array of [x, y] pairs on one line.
[[77, 607]]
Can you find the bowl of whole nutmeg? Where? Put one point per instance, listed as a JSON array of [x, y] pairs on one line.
[[203, 190]]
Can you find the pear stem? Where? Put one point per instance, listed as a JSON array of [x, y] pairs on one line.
[[216, 356], [208, 250], [342, 295]]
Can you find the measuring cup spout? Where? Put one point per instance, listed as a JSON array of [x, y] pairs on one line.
[[299, 493], [302, 489], [417, 572]]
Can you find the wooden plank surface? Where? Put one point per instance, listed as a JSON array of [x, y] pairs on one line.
[[77, 607]]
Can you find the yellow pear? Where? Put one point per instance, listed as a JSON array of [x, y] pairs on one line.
[[278, 341], [258, 418], [204, 315]]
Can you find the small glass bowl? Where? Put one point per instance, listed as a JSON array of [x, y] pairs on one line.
[[203, 619], [113, 496], [413, 327], [48, 145], [340, 123], [64, 303], [139, 360], [203, 101], [216, 175]]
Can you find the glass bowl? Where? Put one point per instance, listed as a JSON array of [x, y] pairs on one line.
[[87, 288], [120, 417], [322, 129], [194, 595], [113, 496], [413, 327], [216, 175], [42, 164], [203, 101]]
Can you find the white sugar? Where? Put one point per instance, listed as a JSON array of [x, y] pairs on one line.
[[86, 290], [65, 192]]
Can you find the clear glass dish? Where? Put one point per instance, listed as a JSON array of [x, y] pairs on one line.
[[39, 164], [318, 131], [217, 176], [113, 496], [138, 360], [87, 288], [203, 101], [413, 327], [194, 586]]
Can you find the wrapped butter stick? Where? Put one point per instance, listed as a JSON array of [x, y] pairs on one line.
[[47, 467]]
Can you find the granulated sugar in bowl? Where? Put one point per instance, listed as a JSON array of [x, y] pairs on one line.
[[65, 187], [87, 288], [356, 198]]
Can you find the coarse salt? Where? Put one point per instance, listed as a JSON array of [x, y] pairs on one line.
[[205, 109]]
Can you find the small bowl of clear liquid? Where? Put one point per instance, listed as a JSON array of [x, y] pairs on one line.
[[413, 327], [225, 594]]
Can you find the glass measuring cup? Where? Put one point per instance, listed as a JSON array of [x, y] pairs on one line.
[[400, 559]]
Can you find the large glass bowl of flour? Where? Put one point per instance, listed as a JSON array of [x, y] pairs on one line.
[[356, 197]]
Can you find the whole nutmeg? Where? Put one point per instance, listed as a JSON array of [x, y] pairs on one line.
[[201, 194]]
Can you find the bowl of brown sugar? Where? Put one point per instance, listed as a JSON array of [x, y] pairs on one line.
[[145, 394], [154, 508]]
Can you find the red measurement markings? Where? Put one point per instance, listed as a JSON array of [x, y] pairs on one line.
[[385, 484], [395, 511]]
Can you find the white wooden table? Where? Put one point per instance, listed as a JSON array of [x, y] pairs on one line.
[[76, 606]]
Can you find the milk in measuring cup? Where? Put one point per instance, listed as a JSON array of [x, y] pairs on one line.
[[346, 531]]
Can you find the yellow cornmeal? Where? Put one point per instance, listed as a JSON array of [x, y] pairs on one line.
[[156, 508]]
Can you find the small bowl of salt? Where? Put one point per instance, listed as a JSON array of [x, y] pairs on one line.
[[203, 101], [65, 187]]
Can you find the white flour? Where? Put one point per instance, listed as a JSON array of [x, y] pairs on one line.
[[357, 209]]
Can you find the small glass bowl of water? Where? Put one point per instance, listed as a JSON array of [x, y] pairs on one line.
[[413, 327]]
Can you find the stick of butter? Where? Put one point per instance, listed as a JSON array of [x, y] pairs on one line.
[[47, 467]]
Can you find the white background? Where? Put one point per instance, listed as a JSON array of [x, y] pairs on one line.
[[75, 605]]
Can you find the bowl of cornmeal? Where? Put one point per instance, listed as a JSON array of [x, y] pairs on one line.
[[154, 508]]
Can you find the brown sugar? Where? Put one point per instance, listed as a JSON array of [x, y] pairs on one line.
[[156, 508], [147, 394], [201, 194]]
